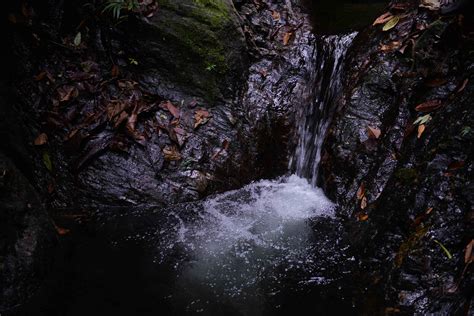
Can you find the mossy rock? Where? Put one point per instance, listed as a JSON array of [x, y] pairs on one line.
[[192, 47]]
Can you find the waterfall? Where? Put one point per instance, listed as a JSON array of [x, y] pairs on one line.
[[313, 119]]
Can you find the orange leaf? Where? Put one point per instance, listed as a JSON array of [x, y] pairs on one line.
[[275, 15], [287, 37], [429, 106], [383, 18], [171, 153], [421, 129], [362, 216], [373, 132], [468, 258], [390, 46], [361, 191], [201, 117], [41, 139]]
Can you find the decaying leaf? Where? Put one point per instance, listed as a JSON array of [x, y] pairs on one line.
[[391, 23], [225, 145], [115, 72], [430, 4], [455, 165], [468, 257], [362, 217], [47, 161], [435, 82], [373, 132], [361, 191], [66, 93], [275, 15], [287, 37], [78, 39], [61, 231], [201, 117], [41, 139], [421, 129], [429, 106], [171, 153], [390, 46], [463, 85], [383, 18], [363, 203], [422, 119], [171, 108]]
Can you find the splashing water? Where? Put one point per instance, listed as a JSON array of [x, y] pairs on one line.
[[246, 242]]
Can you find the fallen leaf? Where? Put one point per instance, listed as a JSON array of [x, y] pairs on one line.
[[463, 85], [201, 117], [423, 119], [429, 106], [435, 82], [115, 71], [171, 108], [361, 191], [47, 161], [445, 250], [363, 203], [114, 108], [61, 231], [373, 132], [430, 4], [171, 153], [77, 39], [225, 145], [383, 18], [67, 92], [275, 15], [390, 46], [41, 139], [362, 217], [421, 129], [468, 257], [287, 37], [391, 23], [455, 165]]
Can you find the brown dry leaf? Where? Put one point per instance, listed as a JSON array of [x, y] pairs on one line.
[[40, 76], [114, 108], [455, 165], [468, 257], [41, 139], [429, 106], [383, 18], [275, 15], [61, 231], [67, 92], [225, 145], [435, 82], [287, 37], [463, 85], [373, 132], [429, 210], [421, 129], [363, 203], [390, 46], [171, 153], [361, 191], [201, 117], [115, 71], [362, 217], [433, 5], [171, 108]]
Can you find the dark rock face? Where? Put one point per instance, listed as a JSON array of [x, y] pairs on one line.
[[27, 237], [413, 181]]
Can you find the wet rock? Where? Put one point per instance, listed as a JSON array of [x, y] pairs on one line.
[[413, 182], [27, 238]]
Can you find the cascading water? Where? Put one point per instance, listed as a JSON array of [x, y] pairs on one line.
[[314, 118], [271, 247]]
